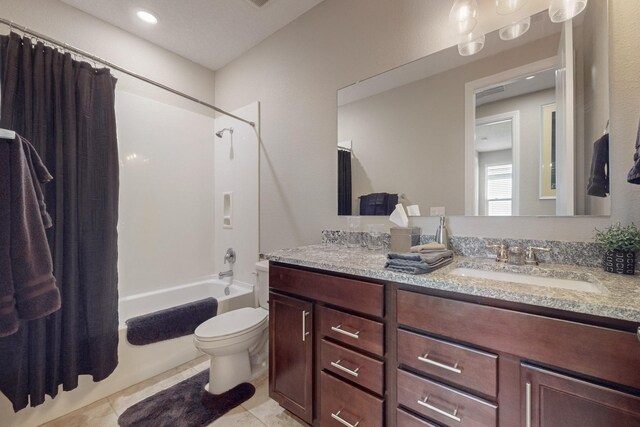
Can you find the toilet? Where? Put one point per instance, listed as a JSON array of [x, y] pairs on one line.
[[237, 341]]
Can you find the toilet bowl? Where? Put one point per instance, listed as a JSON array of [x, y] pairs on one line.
[[237, 341]]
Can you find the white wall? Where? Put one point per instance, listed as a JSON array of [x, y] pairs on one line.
[[295, 74], [237, 170]]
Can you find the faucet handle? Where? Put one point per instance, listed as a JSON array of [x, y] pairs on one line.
[[530, 254], [230, 256], [503, 251]]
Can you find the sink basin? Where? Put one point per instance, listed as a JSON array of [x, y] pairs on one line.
[[525, 279]]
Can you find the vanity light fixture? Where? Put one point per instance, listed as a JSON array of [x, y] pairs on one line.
[[147, 17], [515, 30], [471, 44], [506, 7], [564, 10], [463, 16]]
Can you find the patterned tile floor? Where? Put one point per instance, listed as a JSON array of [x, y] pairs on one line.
[[259, 411]]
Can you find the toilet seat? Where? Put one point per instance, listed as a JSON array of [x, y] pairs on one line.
[[232, 323]]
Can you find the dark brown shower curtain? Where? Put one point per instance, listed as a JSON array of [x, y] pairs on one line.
[[66, 109]]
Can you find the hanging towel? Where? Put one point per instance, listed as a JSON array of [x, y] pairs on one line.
[[599, 179], [27, 287], [378, 203], [634, 174]]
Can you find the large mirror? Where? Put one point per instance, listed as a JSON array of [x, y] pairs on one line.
[[510, 130]]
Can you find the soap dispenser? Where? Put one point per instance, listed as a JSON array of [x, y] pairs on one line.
[[442, 234]]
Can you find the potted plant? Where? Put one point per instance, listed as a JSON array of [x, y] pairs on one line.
[[620, 244]]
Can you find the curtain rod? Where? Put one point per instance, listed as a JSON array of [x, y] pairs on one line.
[[111, 65]]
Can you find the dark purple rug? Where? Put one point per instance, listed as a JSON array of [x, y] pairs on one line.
[[185, 404]]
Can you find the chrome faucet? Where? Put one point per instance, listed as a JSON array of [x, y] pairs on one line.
[[230, 256], [530, 254], [223, 274], [503, 252]]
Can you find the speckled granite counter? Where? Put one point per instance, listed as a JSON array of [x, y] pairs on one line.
[[620, 298]]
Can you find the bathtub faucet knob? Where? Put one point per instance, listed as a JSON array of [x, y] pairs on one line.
[[230, 256]]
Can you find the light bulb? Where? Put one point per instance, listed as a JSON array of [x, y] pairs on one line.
[[462, 17], [564, 10], [147, 17], [471, 44], [505, 7], [515, 30]]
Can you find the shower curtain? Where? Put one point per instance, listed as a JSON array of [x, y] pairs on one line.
[[344, 182], [66, 109]]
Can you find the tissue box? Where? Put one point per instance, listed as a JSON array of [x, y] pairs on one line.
[[402, 238]]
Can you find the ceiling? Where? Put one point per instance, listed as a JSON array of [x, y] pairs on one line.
[[493, 136], [211, 33]]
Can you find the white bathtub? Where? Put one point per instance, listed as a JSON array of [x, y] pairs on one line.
[[136, 363], [241, 295]]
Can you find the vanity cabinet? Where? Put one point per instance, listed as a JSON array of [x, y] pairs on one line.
[[556, 400], [291, 354], [327, 350], [476, 359], [346, 352]]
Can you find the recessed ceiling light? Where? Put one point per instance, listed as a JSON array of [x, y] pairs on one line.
[[147, 17], [530, 77]]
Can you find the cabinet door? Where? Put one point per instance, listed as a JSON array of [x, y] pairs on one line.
[[555, 400], [291, 354]]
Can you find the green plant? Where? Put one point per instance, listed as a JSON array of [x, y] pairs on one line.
[[619, 238]]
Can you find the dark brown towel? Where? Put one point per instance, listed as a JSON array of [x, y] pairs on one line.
[[634, 174], [27, 268], [599, 179]]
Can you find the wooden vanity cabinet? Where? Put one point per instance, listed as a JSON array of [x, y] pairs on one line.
[[291, 354], [556, 400], [466, 342], [327, 352], [345, 351]]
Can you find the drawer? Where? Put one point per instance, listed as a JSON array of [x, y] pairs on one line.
[[443, 404], [342, 404], [612, 354], [356, 367], [468, 368], [357, 295], [405, 419], [364, 334]]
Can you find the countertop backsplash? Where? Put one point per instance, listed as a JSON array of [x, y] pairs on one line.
[[586, 254]]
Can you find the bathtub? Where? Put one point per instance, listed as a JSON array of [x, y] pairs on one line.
[[137, 363], [241, 295]]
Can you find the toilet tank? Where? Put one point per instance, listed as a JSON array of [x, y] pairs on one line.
[[262, 286]]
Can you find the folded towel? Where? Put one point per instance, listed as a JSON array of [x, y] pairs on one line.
[[412, 267], [429, 258], [634, 174], [599, 179], [433, 246]]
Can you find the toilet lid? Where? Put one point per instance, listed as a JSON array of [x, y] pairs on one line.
[[231, 323]]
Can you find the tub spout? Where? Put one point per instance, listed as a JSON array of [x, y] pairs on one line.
[[223, 274]]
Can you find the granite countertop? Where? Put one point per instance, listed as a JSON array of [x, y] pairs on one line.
[[620, 297]]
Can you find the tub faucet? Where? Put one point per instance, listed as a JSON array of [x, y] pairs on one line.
[[223, 274]]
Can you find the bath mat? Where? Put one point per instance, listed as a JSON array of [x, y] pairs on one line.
[[171, 323], [185, 404]]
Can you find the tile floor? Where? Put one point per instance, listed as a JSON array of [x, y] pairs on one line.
[[259, 411]]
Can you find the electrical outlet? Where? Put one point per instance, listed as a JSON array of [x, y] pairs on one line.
[[436, 211]]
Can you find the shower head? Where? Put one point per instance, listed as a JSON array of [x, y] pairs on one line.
[[221, 132]]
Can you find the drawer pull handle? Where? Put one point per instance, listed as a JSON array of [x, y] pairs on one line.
[[337, 365], [304, 325], [339, 330], [342, 421], [453, 368], [440, 411]]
